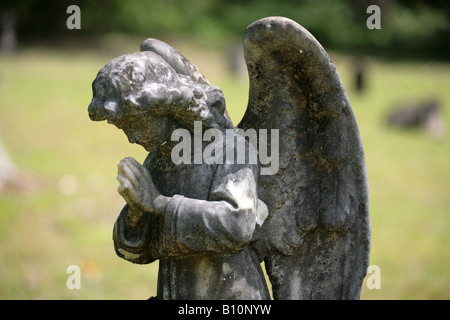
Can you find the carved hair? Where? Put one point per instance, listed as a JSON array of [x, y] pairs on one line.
[[160, 81]]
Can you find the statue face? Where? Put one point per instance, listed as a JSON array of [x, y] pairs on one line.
[[147, 130], [130, 85], [128, 92], [144, 128], [144, 96]]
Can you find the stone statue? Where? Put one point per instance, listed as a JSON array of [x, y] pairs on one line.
[[211, 221]]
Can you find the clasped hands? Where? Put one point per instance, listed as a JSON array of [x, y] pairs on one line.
[[137, 188]]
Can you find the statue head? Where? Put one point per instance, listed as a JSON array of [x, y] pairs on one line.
[[147, 95]]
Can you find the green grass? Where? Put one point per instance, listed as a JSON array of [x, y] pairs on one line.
[[63, 211]]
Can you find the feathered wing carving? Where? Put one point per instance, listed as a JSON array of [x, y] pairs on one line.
[[317, 236]]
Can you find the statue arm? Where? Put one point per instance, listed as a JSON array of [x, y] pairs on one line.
[[137, 227], [224, 223], [132, 238]]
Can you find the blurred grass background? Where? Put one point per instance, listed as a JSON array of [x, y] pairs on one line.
[[62, 204]]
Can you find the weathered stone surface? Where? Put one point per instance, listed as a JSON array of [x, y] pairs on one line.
[[201, 220], [197, 219], [317, 236]]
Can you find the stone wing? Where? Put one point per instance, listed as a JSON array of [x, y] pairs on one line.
[[317, 235]]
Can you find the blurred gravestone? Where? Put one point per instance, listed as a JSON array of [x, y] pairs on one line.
[[8, 170], [360, 71], [419, 115], [8, 38]]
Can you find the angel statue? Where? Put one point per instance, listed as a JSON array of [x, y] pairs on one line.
[[211, 222]]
